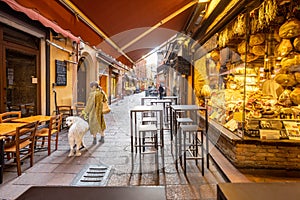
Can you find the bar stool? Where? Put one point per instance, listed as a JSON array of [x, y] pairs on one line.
[[147, 138], [192, 147], [181, 120]]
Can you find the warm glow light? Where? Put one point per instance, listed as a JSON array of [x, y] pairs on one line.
[[212, 6], [203, 1]]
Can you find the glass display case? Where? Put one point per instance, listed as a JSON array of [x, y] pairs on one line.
[[249, 73]]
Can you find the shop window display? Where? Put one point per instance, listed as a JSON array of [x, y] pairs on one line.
[[250, 75]]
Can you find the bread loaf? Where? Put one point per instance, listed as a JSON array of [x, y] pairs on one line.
[[297, 43], [250, 57], [290, 61], [295, 96], [284, 48], [256, 39], [276, 36], [285, 99], [285, 79], [258, 50], [297, 76], [205, 91], [290, 29], [242, 47], [215, 55]]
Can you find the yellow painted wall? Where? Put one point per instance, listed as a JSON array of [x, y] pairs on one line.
[[64, 93]]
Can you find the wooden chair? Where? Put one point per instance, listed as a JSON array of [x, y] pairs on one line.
[[79, 107], [66, 111], [30, 110], [22, 144], [8, 116], [14, 108], [50, 133]]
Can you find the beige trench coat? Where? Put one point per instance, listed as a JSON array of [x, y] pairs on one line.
[[94, 111]]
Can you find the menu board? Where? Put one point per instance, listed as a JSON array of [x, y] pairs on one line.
[[60, 73]]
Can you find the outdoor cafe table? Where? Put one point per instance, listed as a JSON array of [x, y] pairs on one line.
[[6, 129], [164, 102], [133, 122], [174, 109], [172, 98], [146, 98]]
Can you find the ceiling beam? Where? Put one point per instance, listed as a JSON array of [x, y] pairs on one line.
[[78, 14], [165, 20]]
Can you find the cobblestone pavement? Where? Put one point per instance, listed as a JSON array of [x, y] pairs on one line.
[[59, 169]]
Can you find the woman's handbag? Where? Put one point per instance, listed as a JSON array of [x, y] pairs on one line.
[[106, 108]]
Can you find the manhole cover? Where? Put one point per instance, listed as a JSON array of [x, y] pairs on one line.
[[92, 175]]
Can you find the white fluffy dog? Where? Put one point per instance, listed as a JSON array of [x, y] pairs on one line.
[[77, 129]]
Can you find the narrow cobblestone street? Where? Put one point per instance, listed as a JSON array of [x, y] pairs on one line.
[[59, 169]]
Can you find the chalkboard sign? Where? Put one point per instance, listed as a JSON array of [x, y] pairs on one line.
[[60, 73]]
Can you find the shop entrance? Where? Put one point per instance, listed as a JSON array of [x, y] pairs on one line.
[[20, 84]]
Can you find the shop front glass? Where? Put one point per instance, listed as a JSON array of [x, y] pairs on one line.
[[250, 74]]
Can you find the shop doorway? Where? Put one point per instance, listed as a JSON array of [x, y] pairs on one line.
[[21, 82], [81, 80]]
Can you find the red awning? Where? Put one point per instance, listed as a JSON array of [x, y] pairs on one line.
[[36, 16], [131, 28]]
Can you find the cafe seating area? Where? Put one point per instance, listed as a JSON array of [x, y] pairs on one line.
[[66, 111], [49, 134], [156, 117], [21, 137], [21, 146]]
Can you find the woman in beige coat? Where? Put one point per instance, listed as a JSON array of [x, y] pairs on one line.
[[93, 111]]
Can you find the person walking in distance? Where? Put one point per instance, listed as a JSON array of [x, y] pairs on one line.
[[161, 91], [93, 111]]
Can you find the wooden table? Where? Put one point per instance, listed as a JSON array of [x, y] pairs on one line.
[[40, 118], [258, 191], [6, 129]]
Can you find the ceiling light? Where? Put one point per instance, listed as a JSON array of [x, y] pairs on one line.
[[203, 1]]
